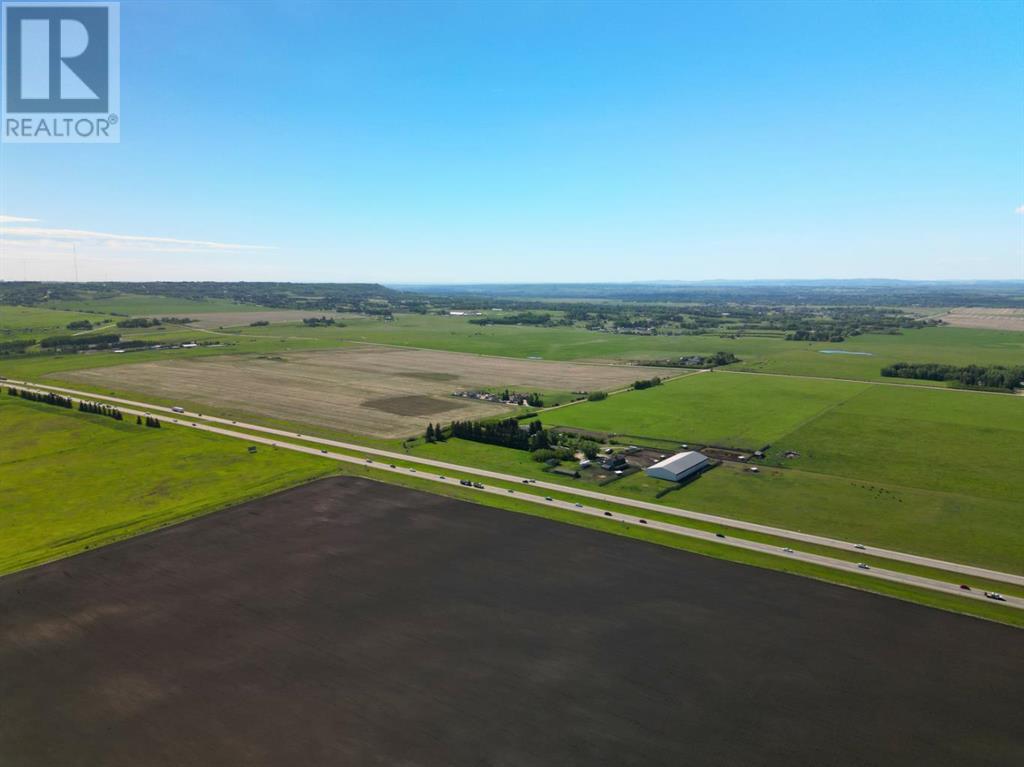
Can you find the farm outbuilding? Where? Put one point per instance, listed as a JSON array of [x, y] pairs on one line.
[[678, 467]]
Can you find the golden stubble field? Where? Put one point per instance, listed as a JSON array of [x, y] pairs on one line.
[[372, 390], [983, 317]]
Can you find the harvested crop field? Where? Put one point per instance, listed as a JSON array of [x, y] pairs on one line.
[[984, 317], [375, 390], [348, 622]]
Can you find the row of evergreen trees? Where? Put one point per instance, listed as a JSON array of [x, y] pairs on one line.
[[970, 376], [98, 341], [435, 433], [35, 396], [85, 407], [507, 433], [98, 409]]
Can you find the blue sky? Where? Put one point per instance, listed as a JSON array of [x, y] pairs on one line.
[[486, 142]]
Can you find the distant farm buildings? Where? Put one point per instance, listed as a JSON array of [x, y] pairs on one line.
[[678, 467]]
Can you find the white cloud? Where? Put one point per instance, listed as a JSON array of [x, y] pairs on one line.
[[16, 220], [29, 235], [1020, 209]]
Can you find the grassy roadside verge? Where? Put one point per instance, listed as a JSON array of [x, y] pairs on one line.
[[71, 481]]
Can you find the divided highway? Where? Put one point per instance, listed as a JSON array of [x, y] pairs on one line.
[[215, 425]]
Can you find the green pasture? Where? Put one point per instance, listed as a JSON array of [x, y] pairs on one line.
[[17, 322], [764, 354], [710, 408], [947, 345], [71, 481], [35, 366], [949, 441]]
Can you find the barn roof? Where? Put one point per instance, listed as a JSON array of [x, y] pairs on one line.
[[680, 461]]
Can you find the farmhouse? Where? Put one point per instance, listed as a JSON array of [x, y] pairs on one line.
[[678, 467]]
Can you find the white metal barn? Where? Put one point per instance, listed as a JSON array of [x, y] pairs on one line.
[[678, 467]]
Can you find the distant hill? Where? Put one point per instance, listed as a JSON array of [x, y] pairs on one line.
[[283, 295], [767, 292]]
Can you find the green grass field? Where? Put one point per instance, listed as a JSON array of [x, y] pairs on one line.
[[711, 408], [71, 481], [187, 473], [935, 472], [959, 528], [17, 322], [758, 354]]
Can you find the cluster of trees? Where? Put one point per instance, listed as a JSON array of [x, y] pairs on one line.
[[435, 433], [151, 422], [152, 322], [969, 376], [597, 396], [259, 324], [100, 409], [315, 322], [527, 318], [646, 383], [99, 341], [720, 358], [574, 443], [16, 347], [79, 325], [533, 399], [507, 433], [551, 456], [48, 397], [695, 361]]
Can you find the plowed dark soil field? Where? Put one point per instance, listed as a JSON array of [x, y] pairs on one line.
[[353, 623]]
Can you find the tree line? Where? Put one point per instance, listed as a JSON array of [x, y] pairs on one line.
[[97, 408], [968, 376], [694, 361], [526, 318], [16, 347], [100, 409], [323, 321], [506, 433], [48, 398], [80, 342]]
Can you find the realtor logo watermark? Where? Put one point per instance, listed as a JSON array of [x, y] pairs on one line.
[[61, 73]]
